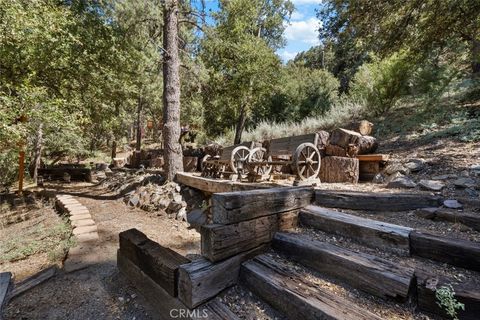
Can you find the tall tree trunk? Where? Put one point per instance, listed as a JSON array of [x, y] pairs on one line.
[[476, 57], [37, 158], [240, 125], [138, 144], [171, 91]]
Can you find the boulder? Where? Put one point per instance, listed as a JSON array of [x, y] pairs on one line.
[[464, 182], [415, 165], [432, 185], [402, 183], [379, 178], [197, 217], [396, 167]]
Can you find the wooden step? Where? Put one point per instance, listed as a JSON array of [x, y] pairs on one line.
[[457, 252], [293, 295], [363, 271], [372, 233], [374, 201]]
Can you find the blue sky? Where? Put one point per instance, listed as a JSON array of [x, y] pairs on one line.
[[301, 33]]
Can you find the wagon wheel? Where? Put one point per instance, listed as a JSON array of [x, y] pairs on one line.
[[257, 155], [204, 166], [306, 161], [239, 158]]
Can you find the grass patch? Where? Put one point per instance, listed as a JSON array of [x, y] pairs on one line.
[[53, 240]]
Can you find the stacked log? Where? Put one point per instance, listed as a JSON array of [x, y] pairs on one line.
[[339, 169]]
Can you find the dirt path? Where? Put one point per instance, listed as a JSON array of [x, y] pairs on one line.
[[99, 291]]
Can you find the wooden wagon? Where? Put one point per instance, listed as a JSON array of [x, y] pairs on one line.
[[232, 160], [298, 152]]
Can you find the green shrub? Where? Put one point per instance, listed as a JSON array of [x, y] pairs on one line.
[[382, 82], [447, 301]]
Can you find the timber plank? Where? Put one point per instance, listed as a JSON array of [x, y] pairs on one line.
[[5, 286], [233, 207], [220, 241], [457, 252], [373, 233], [374, 201], [201, 280], [158, 262], [373, 157], [291, 294], [428, 283], [366, 272], [33, 281]]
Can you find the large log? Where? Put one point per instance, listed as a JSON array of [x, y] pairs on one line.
[[339, 169], [293, 295], [369, 232], [220, 241], [159, 263], [466, 293], [375, 201], [345, 138], [233, 207], [364, 127], [5, 287], [363, 271], [166, 306], [457, 252], [201, 280]]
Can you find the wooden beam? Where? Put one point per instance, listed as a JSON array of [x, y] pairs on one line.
[[374, 201], [159, 263], [233, 207], [457, 252], [373, 157], [466, 293], [5, 287], [290, 293], [369, 232], [201, 280], [220, 241], [365, 272], [33, 281]]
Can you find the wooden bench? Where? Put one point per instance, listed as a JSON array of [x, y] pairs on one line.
[[371, 164], [232, 159], [300, 152]]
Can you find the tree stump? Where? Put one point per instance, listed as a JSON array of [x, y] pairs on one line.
[[339, 169]]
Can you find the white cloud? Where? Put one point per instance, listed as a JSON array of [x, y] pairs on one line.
[[296, 15], [287, 55], [300, 2], [304, 31]]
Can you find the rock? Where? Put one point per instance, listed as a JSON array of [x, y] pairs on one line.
[[197, 217], [174, 206], [182, 214], [134, 200], [379, 178], [472, 192], [402, 182], [394, 176], [163, 203], [475, 168], [464, 183], [432, 185], [415, 165], [426, 213], [396, 167], [452, 204], [177, 198]]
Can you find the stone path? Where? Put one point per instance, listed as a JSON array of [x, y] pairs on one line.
[[85, 232]]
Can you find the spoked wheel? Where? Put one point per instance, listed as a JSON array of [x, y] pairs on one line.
[[203, 165], [238, 159], [306, 161], [257, 155]]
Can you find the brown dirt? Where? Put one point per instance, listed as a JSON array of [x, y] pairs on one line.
[[100, 291]]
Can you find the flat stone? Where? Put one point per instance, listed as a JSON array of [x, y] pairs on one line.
[[402, 183], [82, 261], [82, 248], [79, 212], [71, 207], [464, 183], [84, 229], [82, 223], [452, 204], [84, 216], [433, 185], [396, 167], [86, 237], [415, 165], [472, 193]]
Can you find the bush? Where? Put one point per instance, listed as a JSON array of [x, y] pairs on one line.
[[383, 82]]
